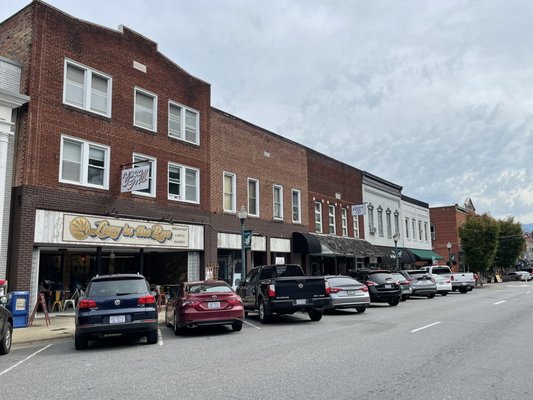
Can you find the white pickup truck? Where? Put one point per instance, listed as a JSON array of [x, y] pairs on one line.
[[462, 281]]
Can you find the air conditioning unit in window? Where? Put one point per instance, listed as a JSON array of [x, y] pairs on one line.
[[372, 231]]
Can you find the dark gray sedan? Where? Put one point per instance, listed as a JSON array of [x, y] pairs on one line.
[[6, 327], [347, 292]]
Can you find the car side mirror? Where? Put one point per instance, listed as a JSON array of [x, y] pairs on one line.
[[3, 300]]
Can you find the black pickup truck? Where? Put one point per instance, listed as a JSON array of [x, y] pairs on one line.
[[283, 289]]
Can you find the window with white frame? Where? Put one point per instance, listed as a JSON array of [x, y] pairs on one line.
[[183, 123], [355, 226], [229, 188], [87, 89], [331, 220], [277, 201], [413, 225], [396, 222], [371, 219], [407, 228], [296, 207], [137, 158], [84, 163], [344, 221], [389, 223], [426, 231], [253, 197], [145, 110], [318, 217], [183, 183], [380, 221], [420, 230]]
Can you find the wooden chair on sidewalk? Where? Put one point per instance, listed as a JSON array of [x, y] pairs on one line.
[[57, 300]]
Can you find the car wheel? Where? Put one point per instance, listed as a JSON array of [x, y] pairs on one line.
[[315, 315], [151, 338], [80, 342], [264, 314], [463, 289], [394, 303], [5, 346], [430, 296], [177, 330], [469, 288], [245, 314], [444, 293], [236, 326], [167, 322], [360, 309], [405, 297]]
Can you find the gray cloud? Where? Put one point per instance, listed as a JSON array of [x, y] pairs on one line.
[[431, 95]]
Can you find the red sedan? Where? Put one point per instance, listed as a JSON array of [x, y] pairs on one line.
[[204, 303]]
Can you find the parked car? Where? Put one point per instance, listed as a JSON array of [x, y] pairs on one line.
[[116, 304], [422, 283], [6, 327], [347, 292], [404, 285], [204, 303], [462, 281], [516, 276], [382, 287], [444, 285]]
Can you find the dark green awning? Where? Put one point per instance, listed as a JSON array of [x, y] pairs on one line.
[[426, 255]]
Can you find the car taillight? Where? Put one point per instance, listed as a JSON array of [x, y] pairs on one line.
[[334, 290], [448, 281], [271, 292], [328, 288], [86, 304], [146, 300], [451, 277], [234, 301], [189, 303], [403, 283], [433, 280], [364, 289], [370, 283]]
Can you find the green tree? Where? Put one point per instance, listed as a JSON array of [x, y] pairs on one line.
[[479, 241], [511, 243]]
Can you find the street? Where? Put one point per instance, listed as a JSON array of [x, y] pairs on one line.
[[462, 346]]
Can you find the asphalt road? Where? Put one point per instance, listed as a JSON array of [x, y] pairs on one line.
[[462, 346]]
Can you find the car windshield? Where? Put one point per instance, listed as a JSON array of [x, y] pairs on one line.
[[117, 287], [203, 288]]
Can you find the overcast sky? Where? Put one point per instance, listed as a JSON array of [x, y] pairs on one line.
[[435, 96]]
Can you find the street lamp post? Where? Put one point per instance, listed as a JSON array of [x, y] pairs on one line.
[[449, 247], [395, 238], [242, 214]]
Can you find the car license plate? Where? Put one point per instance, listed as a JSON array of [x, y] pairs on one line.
[[388, 286], [351, 292], [301, 301], [117, 319], [213, 304]]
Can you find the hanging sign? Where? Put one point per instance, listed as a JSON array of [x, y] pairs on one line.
[[359, 209], [134, 179]]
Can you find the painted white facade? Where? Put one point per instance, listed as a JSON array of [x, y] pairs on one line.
[[416, 226]]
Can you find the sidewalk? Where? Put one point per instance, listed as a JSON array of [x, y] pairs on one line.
[[61, 326]]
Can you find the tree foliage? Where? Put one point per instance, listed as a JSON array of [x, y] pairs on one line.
[[479, 241], [511, 243]]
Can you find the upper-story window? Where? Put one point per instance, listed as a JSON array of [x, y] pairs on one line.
[[406, 228], [145, 110], [380, 221], [183, 123], [229, 188], [355, 226], [296, 207], [277, 201], [344, 221], [396, 222], [87, 89], [389, 223], [371, 219], [84, 163], [420, 230], [142, 160], [183, 183], [426, 231], [318, 217], [253, 197], [331, 220], [413, 224]]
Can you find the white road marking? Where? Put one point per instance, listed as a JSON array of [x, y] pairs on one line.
[[26, 359], [424, 327], [500, 302], [249, 323], [159, 337], [528, 292]]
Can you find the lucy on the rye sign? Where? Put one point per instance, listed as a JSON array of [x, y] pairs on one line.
[[78, 228]]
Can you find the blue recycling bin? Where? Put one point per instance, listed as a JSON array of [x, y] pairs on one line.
[[18, 304]]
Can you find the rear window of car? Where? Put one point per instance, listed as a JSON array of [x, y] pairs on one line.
[[343, 281], [398, 276], [418, 273], [444, 270], [203, 288], [280, 271], [380, 277], [117, 287]]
